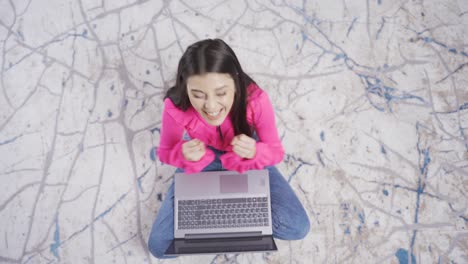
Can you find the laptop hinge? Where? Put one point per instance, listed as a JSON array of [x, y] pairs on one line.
[[224, 235]]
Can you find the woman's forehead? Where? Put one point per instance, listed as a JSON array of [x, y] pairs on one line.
[[210, 81]]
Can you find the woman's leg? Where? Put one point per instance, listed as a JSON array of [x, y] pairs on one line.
[[162, 232], [290, 221]]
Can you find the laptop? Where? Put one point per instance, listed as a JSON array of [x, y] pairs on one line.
[[220, 212]]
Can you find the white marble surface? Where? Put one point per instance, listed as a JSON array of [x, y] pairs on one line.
[[371, 100]]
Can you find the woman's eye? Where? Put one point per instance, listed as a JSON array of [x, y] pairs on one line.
[[198, 96], [221, 94]]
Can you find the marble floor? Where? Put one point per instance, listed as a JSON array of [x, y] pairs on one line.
[[371, 102]]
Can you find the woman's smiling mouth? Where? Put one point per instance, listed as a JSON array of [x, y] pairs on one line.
[[213, 115]]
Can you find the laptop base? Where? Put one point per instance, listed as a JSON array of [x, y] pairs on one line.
[[180, 246]]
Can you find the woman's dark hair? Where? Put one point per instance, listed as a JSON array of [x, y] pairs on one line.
[[213, 55]]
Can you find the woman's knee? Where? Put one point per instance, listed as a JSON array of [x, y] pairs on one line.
[[291, 227], [160, 237], [303, 228], [158, 247], [300, 228], [153, 248]]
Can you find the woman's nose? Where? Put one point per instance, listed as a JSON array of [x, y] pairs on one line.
[[210, 103]]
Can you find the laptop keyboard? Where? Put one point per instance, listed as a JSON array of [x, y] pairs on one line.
[[223, 213]]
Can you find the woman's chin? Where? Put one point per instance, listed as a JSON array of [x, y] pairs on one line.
[[216, 122]]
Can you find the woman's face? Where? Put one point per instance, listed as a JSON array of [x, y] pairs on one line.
[[212, 96]]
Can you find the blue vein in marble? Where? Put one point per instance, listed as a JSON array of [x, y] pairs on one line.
[[110, 208], [153, 154], [362, 217], [306, 17], [429, 40], [29, 259], [462, 132], [421, 181], [351, 26], [347, 231], [388, 93], [362, 220], [380, 29], [122, 243], [57, 243], [294, 172], [319, 157], [375, 86], [8, 141], [402, 256], [57, 40], [461, 66], [382, 149], [141, 178], [462, 107], [398, 186], [339, 56], [301, 163], [461, 216], [75, 234], [20, 34], [322, 136], [54, 247], [156, 129]]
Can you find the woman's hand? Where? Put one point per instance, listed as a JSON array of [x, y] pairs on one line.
[[244, 146], [193, 150]]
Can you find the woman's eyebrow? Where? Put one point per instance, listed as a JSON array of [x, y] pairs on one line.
[[197, 91], [220, 88], [216, 89]]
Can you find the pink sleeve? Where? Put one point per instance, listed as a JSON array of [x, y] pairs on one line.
[[170, 143], [269, 148]]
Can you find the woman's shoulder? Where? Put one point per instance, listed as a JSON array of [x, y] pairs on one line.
[[257, 97], [255, 93], [258, 103], [170, 107], [176, 113]]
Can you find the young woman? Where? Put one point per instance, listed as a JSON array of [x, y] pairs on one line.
[[217, 118]]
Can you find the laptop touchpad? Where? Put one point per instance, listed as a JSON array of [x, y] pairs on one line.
[[234, 183]]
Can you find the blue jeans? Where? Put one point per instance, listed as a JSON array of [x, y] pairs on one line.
[[289, 219]]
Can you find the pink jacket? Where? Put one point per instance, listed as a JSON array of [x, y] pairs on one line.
[[260, 115]]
